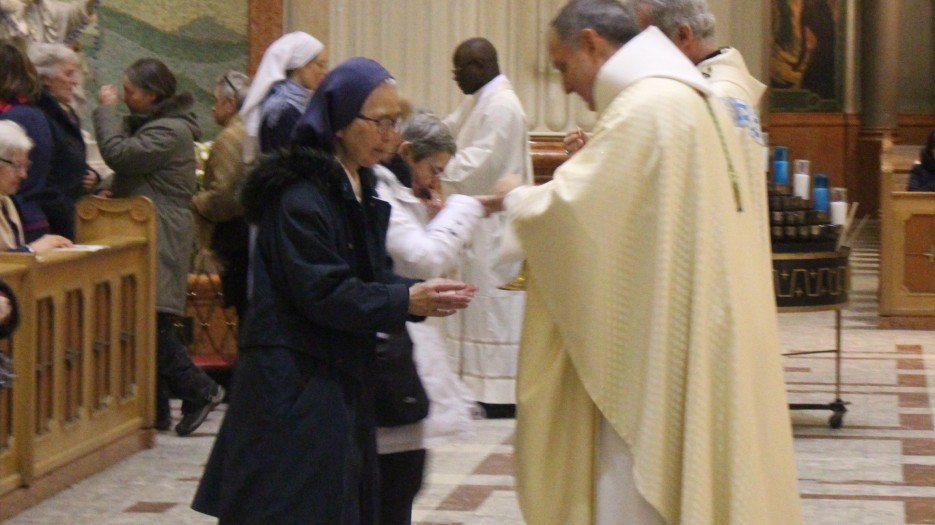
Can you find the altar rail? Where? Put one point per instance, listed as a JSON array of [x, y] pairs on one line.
[[907, 245], [83, 355]]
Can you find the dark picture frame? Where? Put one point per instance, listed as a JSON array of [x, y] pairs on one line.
[[806, 63]]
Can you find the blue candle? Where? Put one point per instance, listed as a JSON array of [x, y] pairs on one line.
[[820, 193], [781, 172], [781, 165]]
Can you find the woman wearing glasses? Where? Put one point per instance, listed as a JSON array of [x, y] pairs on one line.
[[425, 238], [290, 70], [298, 442], [15, 146], [218, 213]]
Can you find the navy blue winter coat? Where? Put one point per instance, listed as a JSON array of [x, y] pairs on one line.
[[297, 445]]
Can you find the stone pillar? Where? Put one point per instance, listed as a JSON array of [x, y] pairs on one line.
[[880, 63], [879, 83]]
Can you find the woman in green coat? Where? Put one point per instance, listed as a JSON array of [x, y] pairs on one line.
[[152, 154]]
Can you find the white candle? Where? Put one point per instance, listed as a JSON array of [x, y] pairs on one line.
[[838, 212], [800, 185]]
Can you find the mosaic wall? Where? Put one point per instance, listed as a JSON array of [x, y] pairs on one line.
[[198, 39]]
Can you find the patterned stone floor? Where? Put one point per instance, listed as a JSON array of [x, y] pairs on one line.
[[879, 469]]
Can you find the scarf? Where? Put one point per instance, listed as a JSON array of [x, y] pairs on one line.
[[288, 52]]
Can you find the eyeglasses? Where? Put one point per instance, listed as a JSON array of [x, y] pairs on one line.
[[17, 166], [436, 171], [231, 84], [384, 125]]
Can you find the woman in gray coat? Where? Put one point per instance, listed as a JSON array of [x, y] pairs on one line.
[[152, 154]]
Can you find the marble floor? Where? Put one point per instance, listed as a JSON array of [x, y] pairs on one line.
[[879, 469]]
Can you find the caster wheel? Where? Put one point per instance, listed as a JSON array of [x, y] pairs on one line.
[[836, 420]]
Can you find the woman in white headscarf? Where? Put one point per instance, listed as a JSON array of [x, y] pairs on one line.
[[290, 70]]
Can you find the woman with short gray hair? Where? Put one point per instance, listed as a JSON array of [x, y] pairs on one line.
[[424, 239], [70, 177], [221, 232]]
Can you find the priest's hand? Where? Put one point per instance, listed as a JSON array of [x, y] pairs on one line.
[[574, 140], [491, 203], [507, 184], [439, 297]]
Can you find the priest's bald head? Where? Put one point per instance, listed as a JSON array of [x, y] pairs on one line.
[[584, 35], [475, 64]]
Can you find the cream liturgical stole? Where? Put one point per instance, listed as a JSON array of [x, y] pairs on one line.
[[650, 304]]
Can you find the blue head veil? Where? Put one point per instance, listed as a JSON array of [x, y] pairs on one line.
[[337, 102]]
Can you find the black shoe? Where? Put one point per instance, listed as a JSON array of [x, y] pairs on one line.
[[163, 424], [192, 420]]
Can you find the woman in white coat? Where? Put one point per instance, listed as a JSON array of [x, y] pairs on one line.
[[424, 239]]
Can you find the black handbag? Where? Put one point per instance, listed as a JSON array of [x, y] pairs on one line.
[[399, 397]]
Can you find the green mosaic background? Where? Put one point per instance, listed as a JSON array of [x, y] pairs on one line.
[[197, 39]]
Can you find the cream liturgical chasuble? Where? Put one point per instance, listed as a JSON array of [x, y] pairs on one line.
[[491, 135], [650, 308]]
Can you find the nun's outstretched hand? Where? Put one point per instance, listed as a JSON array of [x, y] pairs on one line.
[[439, 297]]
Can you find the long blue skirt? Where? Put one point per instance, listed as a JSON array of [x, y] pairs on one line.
[[297, 446]]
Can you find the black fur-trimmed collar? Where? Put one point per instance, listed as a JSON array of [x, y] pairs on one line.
[[279, 170]]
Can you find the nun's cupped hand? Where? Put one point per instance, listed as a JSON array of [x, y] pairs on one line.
[[439, 297]]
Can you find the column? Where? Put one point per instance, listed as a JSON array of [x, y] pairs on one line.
[[880, 63]]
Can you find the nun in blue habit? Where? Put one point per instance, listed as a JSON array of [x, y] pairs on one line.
[[297, 445]]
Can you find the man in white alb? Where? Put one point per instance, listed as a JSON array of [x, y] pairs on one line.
[[640, 398], [491, 133]]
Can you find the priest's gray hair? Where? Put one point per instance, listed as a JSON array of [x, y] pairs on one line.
[[48, 58], [612, 20], [233, 85], [668, 15], [13, 138], [427, 135]]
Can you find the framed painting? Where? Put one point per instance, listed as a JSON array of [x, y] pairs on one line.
[[806, 63]]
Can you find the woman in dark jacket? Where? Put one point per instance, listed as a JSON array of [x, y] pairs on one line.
[[922, 176], [19, 89], [297, 445], [152, 154], [69, 174]]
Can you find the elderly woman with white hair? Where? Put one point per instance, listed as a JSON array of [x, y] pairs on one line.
[[14, 164], [70, 177], [290, 70], [219, 223]]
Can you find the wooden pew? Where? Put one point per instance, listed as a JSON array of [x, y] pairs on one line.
[[84, 354], [907, 245]]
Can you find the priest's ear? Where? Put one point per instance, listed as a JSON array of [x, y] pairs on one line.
[[593, 44]]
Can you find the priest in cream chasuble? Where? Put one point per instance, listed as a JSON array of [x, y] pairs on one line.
[[649, 368]]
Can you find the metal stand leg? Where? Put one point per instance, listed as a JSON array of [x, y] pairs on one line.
[[838, 407]]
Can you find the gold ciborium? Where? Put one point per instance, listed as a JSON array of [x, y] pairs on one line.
[[519, 282]]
